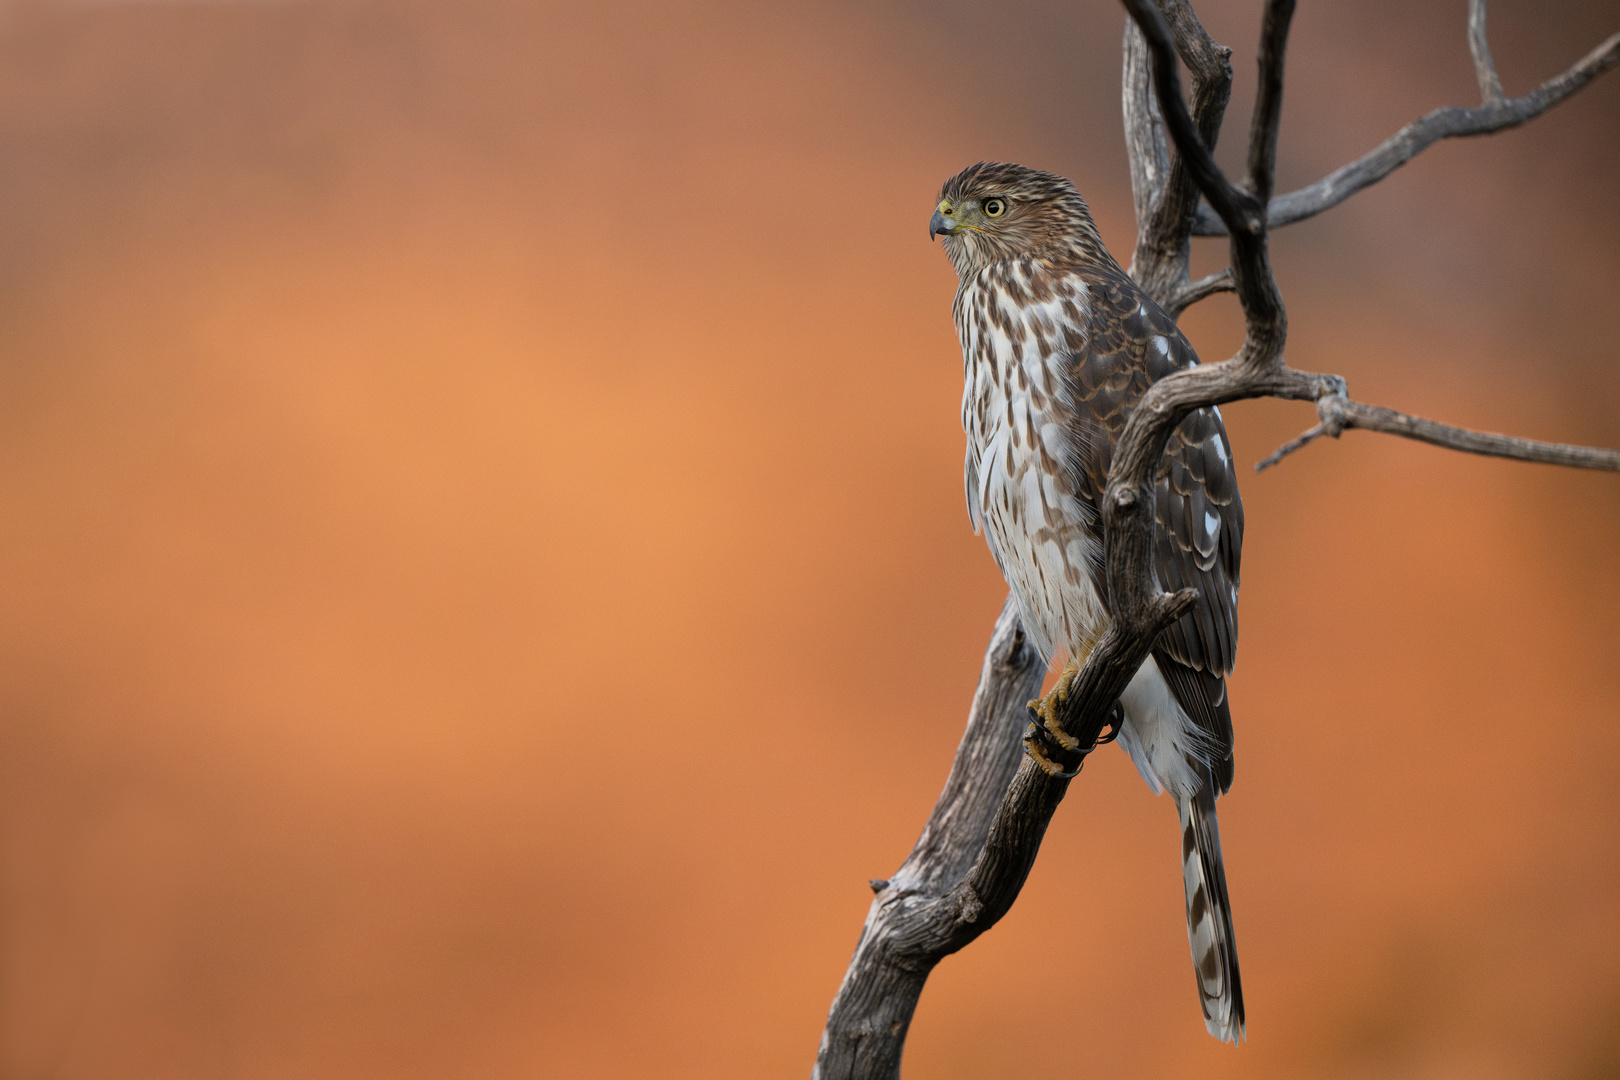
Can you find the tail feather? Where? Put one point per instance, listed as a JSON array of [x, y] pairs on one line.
[[1209, 917]]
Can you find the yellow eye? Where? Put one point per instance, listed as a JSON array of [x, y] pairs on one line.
[[995, 207]]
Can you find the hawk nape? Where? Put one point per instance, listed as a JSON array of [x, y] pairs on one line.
[[1058, 344]]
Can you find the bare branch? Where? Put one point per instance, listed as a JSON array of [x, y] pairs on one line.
[[1229, 201], [985, 759], [1268, 99], [1298, 442], [1144, 130], [1165, 212], [1194, 291], [1208, 61], [1239, 207], [1338, 414], [909, 926], [1490, 85], [1418, 136]]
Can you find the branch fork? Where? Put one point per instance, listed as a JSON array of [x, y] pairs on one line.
[[1330, 409]]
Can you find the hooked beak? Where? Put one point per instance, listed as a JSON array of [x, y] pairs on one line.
[[939, 223]]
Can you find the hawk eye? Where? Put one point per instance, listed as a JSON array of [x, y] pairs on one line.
[[995, 207]]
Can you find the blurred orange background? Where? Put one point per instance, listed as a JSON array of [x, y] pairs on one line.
[[487, 579]]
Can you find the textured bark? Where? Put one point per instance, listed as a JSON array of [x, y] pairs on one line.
[[913, 911], [985, 832], [1165, 194]]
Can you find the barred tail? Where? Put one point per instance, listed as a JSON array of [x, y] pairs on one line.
[[1209, 917]]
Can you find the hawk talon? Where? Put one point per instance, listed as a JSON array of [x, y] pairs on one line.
[[1033, 740], [1115, 718], [1044, 709], [1061, 737], [1043, 712]]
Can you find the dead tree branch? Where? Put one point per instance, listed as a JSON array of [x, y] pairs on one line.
[[1340, 414], [1490, 84], [1495, 114], [1194, 291], [986, 829], [920, 915], [1165, 193]]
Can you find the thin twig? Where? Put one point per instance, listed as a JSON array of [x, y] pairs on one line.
[[1339, 414], [1298, 442], [1490, 84], [1418, 136]]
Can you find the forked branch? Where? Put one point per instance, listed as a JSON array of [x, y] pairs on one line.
[[1495, 113], [1165, 194], [1340, 414], [1262, 304]]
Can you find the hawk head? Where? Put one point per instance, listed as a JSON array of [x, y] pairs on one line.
[[994, 211]]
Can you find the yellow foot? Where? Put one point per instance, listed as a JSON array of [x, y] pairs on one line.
[[1045, 709], [1032, 747]]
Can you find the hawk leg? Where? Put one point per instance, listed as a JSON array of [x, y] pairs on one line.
[[1045, 708], [1051, 736]]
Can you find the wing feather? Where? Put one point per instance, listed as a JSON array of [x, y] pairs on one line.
[[1131, 343]]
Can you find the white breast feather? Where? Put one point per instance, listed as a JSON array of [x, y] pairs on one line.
[[1015, 401]]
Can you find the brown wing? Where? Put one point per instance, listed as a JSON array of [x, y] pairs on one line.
[[1199, 540]]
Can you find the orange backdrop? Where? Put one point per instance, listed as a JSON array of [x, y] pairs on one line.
[[486, 578]]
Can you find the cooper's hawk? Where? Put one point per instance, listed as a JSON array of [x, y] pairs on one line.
[[1058, 344]]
